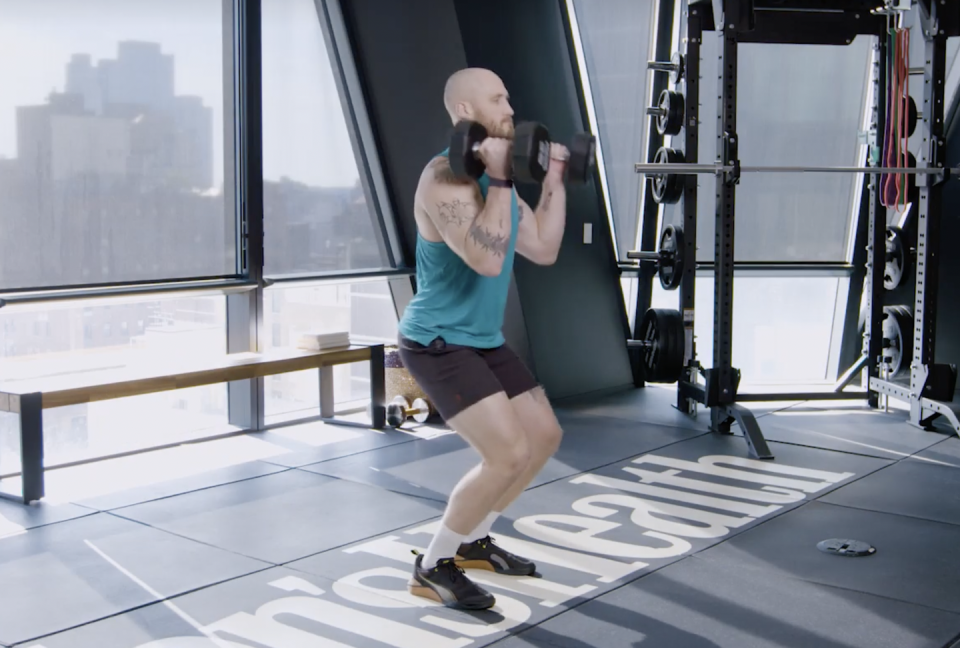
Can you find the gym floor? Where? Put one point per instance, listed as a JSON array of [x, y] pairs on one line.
[[647, 529]]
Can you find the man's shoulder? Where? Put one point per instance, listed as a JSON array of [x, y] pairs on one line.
[[439, 172]]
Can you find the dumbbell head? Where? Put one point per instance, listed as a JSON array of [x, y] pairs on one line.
[[421, 410], [397, 411], [464, 161], [531, 152], [583, 157]]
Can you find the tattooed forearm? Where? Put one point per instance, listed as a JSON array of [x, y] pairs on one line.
[[456, 212], [488, 241], [545, 200]]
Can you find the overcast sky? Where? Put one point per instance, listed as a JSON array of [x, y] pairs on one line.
[[305, 136]]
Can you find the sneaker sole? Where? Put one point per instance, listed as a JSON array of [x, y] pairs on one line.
[[429, 593], [486, 565]]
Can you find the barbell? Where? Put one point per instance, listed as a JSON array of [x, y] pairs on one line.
[[669, 165]]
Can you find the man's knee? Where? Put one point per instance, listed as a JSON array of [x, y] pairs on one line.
[[515, 457], [541, 426]]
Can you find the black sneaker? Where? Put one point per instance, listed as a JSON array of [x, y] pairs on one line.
[[448, 584], [484, 554]]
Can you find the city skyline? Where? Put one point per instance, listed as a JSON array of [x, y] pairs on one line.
[[305, 133]]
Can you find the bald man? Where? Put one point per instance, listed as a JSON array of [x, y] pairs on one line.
[[451, 340]]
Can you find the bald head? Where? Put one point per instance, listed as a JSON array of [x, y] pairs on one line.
[[477, 94]]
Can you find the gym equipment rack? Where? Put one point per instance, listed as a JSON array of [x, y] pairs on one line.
[[811, 22]]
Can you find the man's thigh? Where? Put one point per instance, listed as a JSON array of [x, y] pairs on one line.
[[453, 377], [528, 398]]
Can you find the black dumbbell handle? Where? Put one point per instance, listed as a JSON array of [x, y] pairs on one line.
[[475, 149]]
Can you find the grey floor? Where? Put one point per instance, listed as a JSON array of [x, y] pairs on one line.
[[648, 531]]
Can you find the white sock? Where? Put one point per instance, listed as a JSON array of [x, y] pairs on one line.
[[444, 545], [483, 529]]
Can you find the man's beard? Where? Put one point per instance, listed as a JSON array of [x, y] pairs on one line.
[[503, 129]]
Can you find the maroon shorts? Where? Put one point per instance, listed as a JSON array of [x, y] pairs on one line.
[[455, 377]]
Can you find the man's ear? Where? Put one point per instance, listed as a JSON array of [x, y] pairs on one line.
[[464, 110]]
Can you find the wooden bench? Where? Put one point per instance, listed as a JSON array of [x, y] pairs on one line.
[[30, 397]]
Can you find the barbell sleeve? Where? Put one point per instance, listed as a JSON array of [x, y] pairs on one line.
[[661, 66], [643, 255]]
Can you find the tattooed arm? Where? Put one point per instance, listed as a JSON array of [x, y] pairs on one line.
[[478, 231], [540, 232]]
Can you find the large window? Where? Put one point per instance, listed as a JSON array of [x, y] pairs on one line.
[[784, 328], [317, 213], [364, 309], [796, 105], [615, 37], [112, 142], [97, 335]]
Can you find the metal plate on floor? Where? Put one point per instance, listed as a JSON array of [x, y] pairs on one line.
[[844, 547]]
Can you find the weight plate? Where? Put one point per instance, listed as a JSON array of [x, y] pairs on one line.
[[423, 410], [667, 187], [395, 415], [896, 258], [679, 63], [670, 267], [897, 351], [583, 157], [670, 121], [662, 355], [911, 116], [531, 152], [463, 162], [847, 548]]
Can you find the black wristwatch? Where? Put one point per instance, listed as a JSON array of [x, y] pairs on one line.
[[497, 182]]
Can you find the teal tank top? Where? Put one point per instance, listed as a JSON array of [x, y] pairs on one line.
[[455, 302]]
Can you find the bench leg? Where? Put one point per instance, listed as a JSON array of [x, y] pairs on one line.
[[378, 388], [326, 392], [31, 446]]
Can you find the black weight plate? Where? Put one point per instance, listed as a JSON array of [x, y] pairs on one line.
[[898, 335], [679, 62], [911, 116], [463, 162], [896, 258], [531, 152], [662, 357], [667, 187], [395, 415], [670, 121], [583, 157], [670, 268]]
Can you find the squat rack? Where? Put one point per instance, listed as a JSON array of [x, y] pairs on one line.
[[814, 22]]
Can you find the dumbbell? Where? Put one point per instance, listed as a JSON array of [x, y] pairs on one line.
[[530, 157], [399, 410]]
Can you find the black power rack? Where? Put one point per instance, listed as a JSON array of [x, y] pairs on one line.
[[659, 339]]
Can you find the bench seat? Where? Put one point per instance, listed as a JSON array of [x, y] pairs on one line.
[[28, 397]]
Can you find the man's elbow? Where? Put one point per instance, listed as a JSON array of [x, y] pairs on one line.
[[489, 265], [546, 256]]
